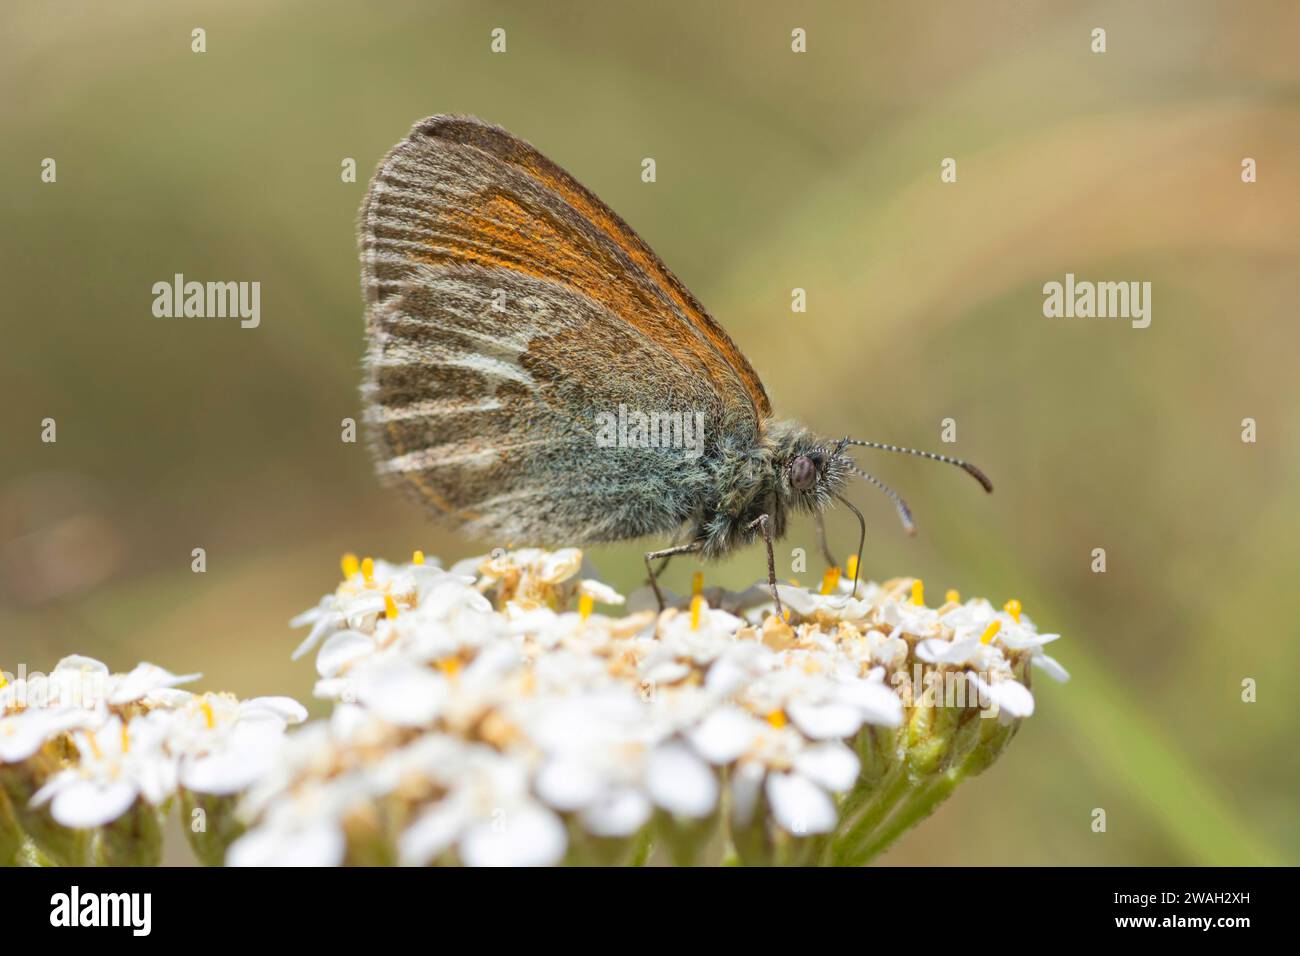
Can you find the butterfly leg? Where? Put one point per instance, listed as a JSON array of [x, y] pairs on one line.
[[821, 539], [663, 564], [763, 522], [665, 553]]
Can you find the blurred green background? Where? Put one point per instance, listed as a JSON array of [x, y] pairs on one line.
[[775, 170]]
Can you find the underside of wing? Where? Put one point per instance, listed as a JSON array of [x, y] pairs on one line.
[[535, 373]]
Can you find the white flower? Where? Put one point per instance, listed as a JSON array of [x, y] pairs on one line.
[[76, 681], [318, 843], [400, 690], [824, 705], [141, 682], [594, 746], [681, 782], [226, 745], [799, 805], [25, 732], [342, 650], [600, 593], [1008, 695], [726, 734], [798, 775], [118, 764], [840, 605], [494, 727], [487, 815]]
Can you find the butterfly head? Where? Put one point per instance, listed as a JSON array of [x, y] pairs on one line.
[[814, 472]]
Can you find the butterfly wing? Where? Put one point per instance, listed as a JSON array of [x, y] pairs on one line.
[[512, 317]]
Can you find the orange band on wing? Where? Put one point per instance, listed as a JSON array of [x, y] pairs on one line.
[[551, 253]]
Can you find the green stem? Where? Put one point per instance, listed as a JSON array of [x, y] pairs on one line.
[[893, 787], [919, 805], [644, 848]]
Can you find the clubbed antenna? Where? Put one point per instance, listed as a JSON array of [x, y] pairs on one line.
[[904, 512], [963, 465]]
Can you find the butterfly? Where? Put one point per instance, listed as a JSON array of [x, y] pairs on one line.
[[535, 374]]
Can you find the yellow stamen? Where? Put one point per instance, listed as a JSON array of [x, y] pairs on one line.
[[3, 682], [830, 580], [991, 631], [126, 740], [368, 571], [586, 604], [208, 716], [350, 565], [851, 568], [918, 592], [777, 718], [449, 666], [1012, 607], [785, 615], [417, 557], [390, 607], [697, 583], [697, 605], [94, 746], [953, 596]]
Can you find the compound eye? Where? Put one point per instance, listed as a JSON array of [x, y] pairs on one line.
[[803, 473]]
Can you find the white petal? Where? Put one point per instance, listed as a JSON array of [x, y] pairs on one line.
[[221, 773], [246, 755], [156, 778], [342, 649], [557, 566], [143, 679], [602, 593], [931, 648], [1010, 696], [746, 788], [1018, 638], [286, 708], [832, 766], [169, 698], [1015, 698], [666, 672], [825, 721], [680, 782], [402, 692], [799, 805], [620, 813], [313, 614], [85, 803], [959, 652], [568, 784], [322, 624], [77, 664], [433, 832], [320, 845], [24, 733], [529, 836], [799, 600], [724, 735], [878, 702], [1050, 666]]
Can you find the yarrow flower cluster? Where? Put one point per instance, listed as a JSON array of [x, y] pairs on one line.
[[91, 762], [488, 714]]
